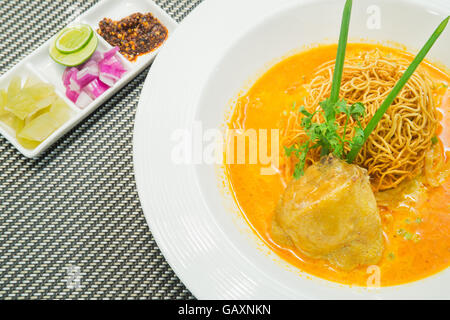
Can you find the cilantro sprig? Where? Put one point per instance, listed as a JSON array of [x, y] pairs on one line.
[[325, 134]]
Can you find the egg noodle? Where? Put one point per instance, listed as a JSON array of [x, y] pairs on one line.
[[403, 139]]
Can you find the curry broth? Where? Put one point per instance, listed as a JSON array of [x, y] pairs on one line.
[[403, 260]]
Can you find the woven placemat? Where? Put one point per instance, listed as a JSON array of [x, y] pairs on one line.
[[71, 225]]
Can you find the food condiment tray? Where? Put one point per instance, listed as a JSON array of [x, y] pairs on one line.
[[41, 66]]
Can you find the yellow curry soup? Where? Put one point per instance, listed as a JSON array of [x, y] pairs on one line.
[[416, 229]]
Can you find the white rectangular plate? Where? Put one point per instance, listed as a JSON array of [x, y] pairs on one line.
[[40, 65]]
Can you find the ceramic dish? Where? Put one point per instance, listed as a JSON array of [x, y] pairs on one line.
[[192, 216], [45, 69]]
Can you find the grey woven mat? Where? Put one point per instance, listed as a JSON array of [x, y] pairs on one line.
[[71, 225]]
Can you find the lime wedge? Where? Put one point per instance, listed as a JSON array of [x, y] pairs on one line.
[[75, 58], [74, 38]]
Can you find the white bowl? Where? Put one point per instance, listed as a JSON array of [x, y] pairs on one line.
[[41, 66], [193, 218]]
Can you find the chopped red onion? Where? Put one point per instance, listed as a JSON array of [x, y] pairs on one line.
[[72, 95], [73, 85], [110, 74], [97, 56], [114, 69], [88, 81], [95, 88], [111, 53], [107, 79], [110, 61], [83, 100], [87, 74], [67, 74]]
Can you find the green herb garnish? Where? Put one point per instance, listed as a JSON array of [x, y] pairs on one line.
[[407, 236], [391, 256], [434, 140], [325, 135], [340, 56]]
